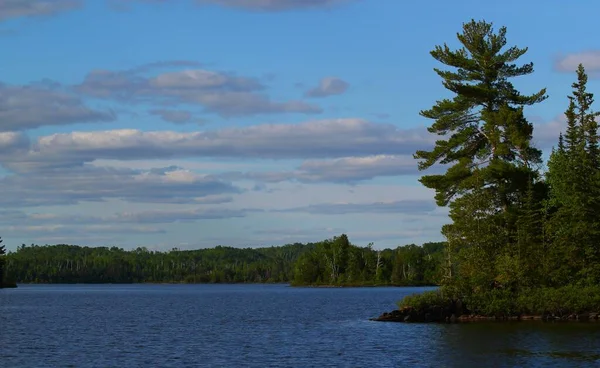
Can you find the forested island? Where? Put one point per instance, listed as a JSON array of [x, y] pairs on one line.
[[524, 242], [332, 262]]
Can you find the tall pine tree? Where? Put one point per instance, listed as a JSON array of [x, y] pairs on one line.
[[485, 141]]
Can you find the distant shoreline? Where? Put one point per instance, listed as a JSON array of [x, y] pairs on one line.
[[224, 283]]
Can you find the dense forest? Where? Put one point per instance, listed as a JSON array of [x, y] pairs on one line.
[[330, 262], [4, 282], [337, 262], [524, 237]]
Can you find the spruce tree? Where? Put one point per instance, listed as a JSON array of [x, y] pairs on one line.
[[2, 263], [485, 142], [574, 179]]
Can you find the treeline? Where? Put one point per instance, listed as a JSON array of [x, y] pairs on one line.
[[4, 282], [333, 262], [78, 264], [337, 262]]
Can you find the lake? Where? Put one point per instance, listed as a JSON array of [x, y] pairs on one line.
[[261, 326]]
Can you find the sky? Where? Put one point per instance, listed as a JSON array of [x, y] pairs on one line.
[[196, 123]]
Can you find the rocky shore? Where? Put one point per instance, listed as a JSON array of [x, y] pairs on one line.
[[451, 315]]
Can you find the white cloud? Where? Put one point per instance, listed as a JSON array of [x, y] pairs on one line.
[[274, 5], [32, 106], [12, 141], [347, 170], [329, 86], [87, 183], [65, 230], [314, 139], [407, 206], [545, 134], [285, 195], [222, 93], [49, 221], [35, 8], [590, 60]]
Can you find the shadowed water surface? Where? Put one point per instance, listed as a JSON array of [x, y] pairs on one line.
[[261, 325]]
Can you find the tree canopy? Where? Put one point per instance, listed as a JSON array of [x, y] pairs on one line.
[[516, 229], [330, 262]]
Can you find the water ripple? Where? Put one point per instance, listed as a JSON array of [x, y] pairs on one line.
[[261, 326]]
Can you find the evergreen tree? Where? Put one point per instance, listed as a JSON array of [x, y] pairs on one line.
[[2, 263], [485, 141], [574, 179], [517, 244]]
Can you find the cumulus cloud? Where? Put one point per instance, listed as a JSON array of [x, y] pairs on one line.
[[351, 169], [221, 93], [87, 183], [314, 139], [589, 59], [35, 8], [409, 207], [66, 231], [545, 133], [328, 87], [140, 217], [81, 227], [348, 170], [12, 142], [178, 216], [273, 5], [32, 106]]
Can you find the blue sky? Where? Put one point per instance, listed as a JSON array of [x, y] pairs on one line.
[[193, 123]]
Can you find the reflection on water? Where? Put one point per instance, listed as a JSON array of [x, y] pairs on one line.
[[262, 325], [518, 344]]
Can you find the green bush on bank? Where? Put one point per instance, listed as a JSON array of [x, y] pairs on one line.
[[500, 302], [426, 300]]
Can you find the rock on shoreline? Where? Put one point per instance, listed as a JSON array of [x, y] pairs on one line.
[[442, 315]]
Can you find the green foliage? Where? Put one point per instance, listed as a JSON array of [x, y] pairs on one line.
[[330, 262], [520, 241], [492, 184], [536, 301], [560, 302], [427, 300], [574, 180], [2, 263], [75, 264], [337, 262], [497, 302], [483, 123]]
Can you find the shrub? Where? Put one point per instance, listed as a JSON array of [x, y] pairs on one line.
[[502, 302], [423, 301]]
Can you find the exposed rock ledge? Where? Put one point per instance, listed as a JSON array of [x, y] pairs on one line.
[[440, 315]]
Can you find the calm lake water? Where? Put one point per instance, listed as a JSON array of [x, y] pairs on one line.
[[260, 326]]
